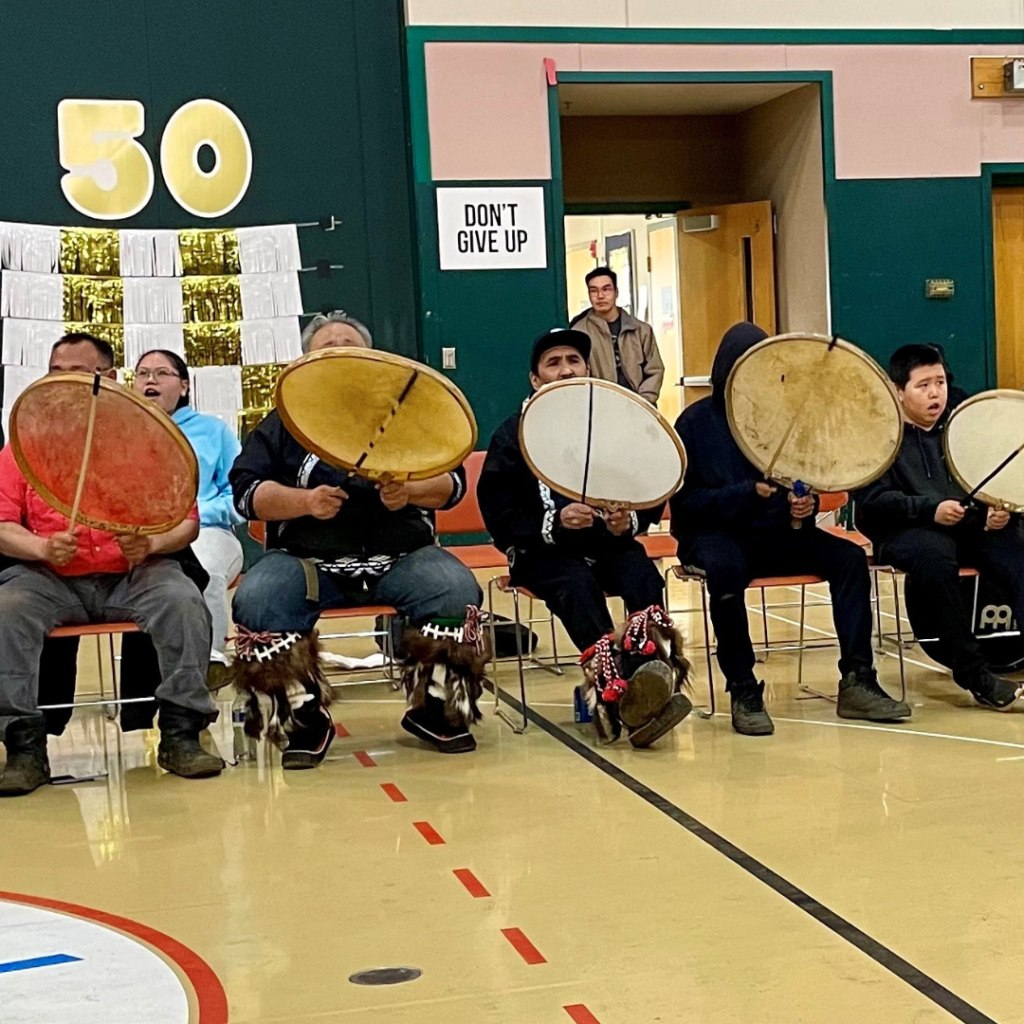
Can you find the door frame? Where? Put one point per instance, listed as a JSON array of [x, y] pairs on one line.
[[992, 176], [828, 152], [673, 226]]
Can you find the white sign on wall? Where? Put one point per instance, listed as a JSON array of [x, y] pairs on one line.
[[491, 228]]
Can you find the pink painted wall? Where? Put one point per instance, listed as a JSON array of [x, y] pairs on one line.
[[900, 111]]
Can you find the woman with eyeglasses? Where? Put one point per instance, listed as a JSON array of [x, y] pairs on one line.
[[162, 377]]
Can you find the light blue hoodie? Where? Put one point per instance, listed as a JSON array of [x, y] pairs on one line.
[[216, 447]]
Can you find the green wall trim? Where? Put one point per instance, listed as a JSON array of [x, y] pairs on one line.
[[556, 236], [781, 36]]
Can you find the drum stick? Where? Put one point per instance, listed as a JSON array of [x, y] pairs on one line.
[[90, 426], [995, 472], [387, 419], [590, 438]]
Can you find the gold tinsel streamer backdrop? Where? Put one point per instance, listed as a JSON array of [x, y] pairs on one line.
[[211, 299], [93, 300], [94, 251], [112, 333], [213, 344], [209, 252]]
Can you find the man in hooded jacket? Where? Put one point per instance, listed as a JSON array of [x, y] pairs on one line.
[[733, 526], [919, 520]]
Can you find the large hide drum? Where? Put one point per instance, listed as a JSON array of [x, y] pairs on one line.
[[601, 444], [985, 433], [808, 408], [376, 414], [142, 475]]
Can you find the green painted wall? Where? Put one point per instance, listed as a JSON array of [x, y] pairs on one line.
[[887, 237], [319, 85]]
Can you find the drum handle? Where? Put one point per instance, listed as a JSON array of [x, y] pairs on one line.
[[801, 490], [90, 427]]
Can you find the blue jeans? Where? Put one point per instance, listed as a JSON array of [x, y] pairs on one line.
[[427, 584]]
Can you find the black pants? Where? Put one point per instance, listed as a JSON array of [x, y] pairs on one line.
[[932, 558], [575, 590], [731, 562]]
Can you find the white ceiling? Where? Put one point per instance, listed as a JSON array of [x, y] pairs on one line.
[[667, 98]]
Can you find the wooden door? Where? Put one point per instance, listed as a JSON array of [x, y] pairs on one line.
[[663, 314], [1008, 241], [726, 274], [579, 261]]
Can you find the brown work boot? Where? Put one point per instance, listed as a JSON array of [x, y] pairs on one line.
[[180, 751], [27, 766]]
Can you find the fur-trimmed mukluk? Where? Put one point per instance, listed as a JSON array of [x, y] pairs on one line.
[[634, 677], [444, 667], [281, 673]]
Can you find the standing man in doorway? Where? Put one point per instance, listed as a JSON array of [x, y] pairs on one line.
[[623, 349]]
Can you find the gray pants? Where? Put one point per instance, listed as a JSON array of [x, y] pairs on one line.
[[157, 596]]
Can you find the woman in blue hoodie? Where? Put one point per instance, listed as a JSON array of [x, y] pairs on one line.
[[162, 376]]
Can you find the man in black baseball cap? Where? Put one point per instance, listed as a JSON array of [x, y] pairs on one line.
[[565, 552]]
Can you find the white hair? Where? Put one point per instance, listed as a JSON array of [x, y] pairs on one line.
[[336, 316]]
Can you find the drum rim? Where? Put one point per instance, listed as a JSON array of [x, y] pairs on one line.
[[150, 408], [634, 397], [375, 355], [825, 339], [985, 499]]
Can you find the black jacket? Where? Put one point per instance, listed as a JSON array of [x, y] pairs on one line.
[[909, 493], [521, 513], [363, 526], [719, 493]]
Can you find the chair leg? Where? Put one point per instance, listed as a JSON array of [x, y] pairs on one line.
[[899, 635], [707, 642], [764, 622], [498, 710], [878, 611], [800, 642]]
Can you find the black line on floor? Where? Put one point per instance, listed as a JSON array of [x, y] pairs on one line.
[[882, 955]]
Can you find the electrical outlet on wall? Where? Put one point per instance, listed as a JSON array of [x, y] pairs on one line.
[[448, 358]]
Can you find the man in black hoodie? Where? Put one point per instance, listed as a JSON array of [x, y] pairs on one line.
[[565, 552], [919, 520], [733, 525]]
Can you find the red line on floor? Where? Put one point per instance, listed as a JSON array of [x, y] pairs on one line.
[[580, 1014], [428, 832], [523, 946], [364, 759], [394, 792], [340, 731], [473, 884]]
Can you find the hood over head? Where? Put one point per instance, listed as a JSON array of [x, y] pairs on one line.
[[738, 339]]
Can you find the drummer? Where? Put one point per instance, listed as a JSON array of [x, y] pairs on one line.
[[732, 525], [62, 579], [919, 520], [565, 552], [335, 540]]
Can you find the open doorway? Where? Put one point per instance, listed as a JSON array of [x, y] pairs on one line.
[[718, 189]]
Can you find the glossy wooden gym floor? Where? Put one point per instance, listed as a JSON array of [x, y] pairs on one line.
[[834, 872]]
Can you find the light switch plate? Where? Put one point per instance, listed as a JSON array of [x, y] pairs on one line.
[[448, 358]]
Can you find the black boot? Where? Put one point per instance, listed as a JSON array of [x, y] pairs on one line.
[[748, 713], [990, 691], [430, 724], [860, 696], [308, 745], [27, 766], [180, 751], [648, 708]]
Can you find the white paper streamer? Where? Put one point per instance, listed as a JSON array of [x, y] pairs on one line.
[[264, 250], [32, 247], [217, 390], [152, 300], [287, 339], [150, 253], [32, 296], [142, 338], [28, 342], [271, 341], [16, 379]]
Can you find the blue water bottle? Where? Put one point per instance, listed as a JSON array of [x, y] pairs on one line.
[[581, 710]]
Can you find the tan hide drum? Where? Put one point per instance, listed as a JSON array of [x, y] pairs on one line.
[[601, 444], [983, 441], [813, 409], [376, 414], [140, 472]]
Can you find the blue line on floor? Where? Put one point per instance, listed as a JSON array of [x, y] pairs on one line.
[[39, 961]]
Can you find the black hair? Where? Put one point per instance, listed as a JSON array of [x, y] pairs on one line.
[[103, 348], [603, 272], [908, 358], [179, 367]]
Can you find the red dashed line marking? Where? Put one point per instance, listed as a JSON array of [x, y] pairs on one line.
[[340, 731], [523, 946], [473, 885], [428, 832], [394, 792], [580, 1014], [364, 759]]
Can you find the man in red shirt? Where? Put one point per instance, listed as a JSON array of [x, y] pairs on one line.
[[62, 579]]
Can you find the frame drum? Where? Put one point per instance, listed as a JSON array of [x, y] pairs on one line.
[[142, 475], [601, 444], [981, 434], [376, 414], [815, 409]]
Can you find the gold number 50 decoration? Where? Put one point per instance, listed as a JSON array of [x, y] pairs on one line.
[[110, 175]]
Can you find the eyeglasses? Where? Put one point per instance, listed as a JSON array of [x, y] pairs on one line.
[[160, 373], [606, 289]]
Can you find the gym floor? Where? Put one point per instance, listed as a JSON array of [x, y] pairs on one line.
[[836, 872]]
